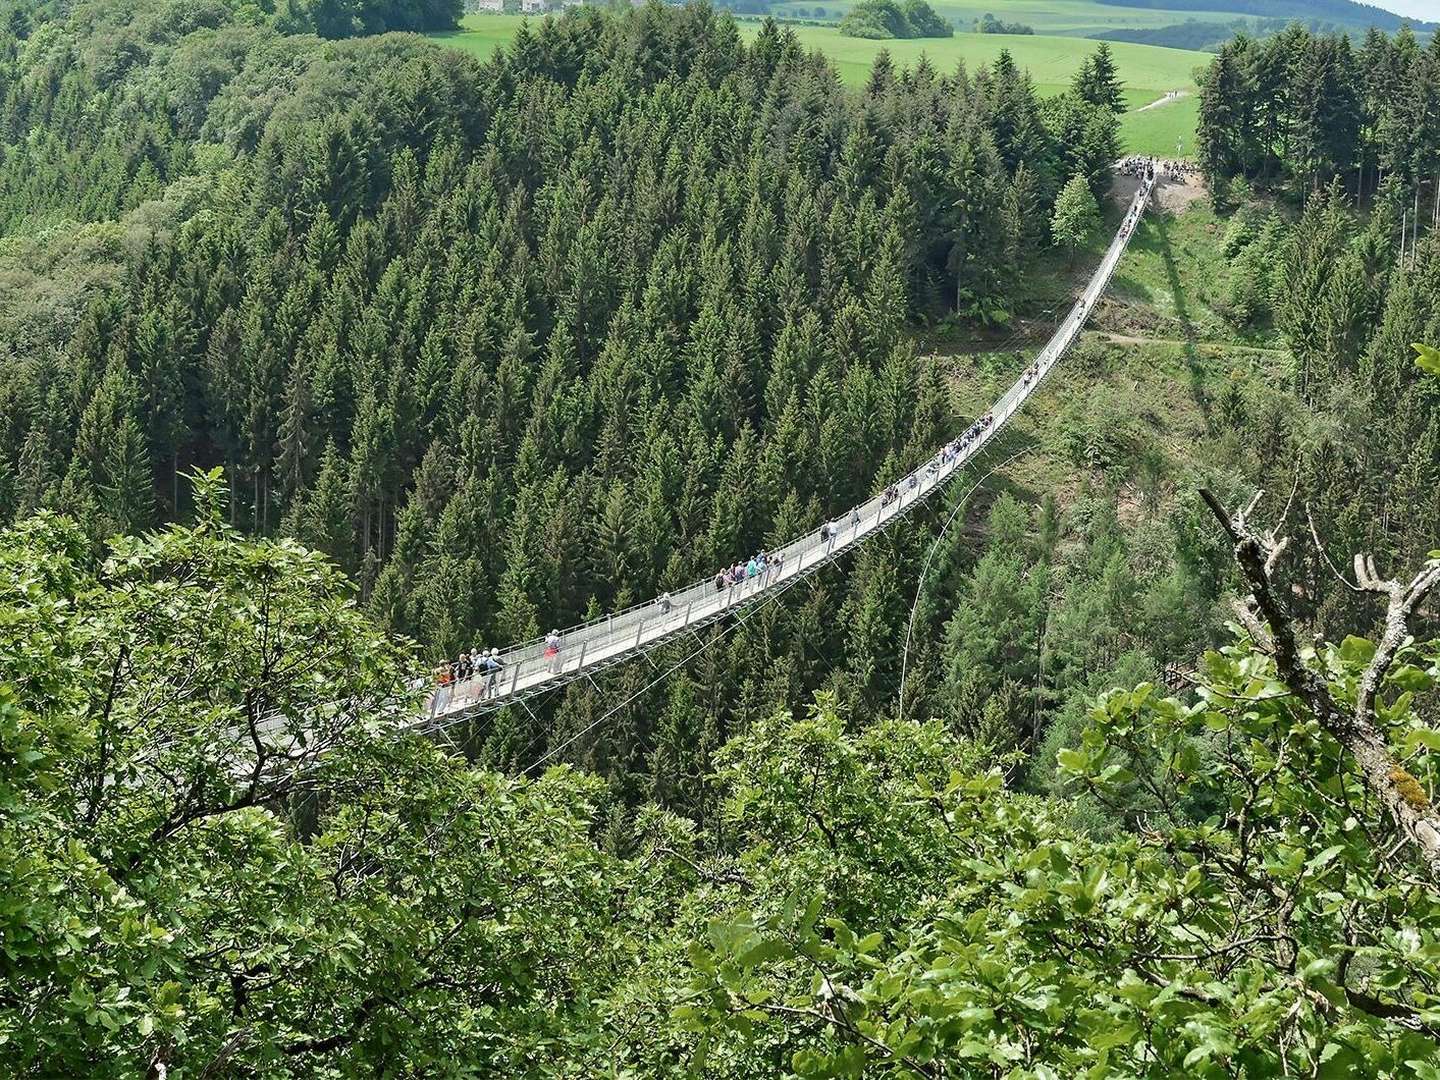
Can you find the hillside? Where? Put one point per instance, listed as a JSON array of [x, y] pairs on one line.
[[1345, 13], [329, 366], [1077, 18], [1113, 19], [1148, 73]]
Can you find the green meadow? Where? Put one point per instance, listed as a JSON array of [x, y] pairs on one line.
[[1076, 17], [1148, 71]]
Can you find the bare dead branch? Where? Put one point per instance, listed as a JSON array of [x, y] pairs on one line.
[[1315, 535], [1399, 793], [725, 878]]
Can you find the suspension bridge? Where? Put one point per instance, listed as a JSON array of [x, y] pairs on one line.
[[543, 664]]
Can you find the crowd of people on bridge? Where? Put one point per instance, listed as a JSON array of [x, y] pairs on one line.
[[955, 448], [450, 674], [758, 565]]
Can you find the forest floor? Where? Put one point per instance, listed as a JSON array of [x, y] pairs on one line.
[[1131, 410]]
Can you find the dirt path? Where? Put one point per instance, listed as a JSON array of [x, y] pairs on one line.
[[1172, 194], [1042, 331], [1132, 339], [1170, 98]]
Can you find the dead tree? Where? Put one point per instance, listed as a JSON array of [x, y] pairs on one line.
[[1265, 614]]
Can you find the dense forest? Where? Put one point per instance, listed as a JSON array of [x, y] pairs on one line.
[[324, 359], [521, 341], [1298, 110], [123, 29]]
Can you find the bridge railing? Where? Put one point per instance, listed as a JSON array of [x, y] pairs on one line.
[[599, 641]]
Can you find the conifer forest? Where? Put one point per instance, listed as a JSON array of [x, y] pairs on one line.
[[333, 358]]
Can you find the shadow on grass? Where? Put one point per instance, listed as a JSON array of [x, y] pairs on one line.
[[1182, 312]]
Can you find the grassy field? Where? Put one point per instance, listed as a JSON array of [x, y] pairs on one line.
[[1155, 131], [1074, 17], [1148, 72], [1050, 60], [482, 34], [1155, 357]]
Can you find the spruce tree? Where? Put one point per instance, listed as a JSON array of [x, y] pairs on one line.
[[1076, 217], [126, 488], [1097, 82], [323, 515]]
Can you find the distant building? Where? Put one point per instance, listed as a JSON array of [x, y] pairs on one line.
[[533, 7], [494, 7]]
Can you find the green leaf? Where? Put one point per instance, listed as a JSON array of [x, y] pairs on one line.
[[765, 951], [1429, 738], [1410, 677], [869, 943], [1325, 857], [1428, 360], [1357, 650]]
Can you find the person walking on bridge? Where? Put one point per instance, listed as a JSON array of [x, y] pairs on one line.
[[492, 664], [552, 650]]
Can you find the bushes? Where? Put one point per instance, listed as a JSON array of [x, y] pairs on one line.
[[989, 24], [883, 19]]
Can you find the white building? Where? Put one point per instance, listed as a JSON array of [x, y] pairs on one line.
[[533, 7], [494, 7]]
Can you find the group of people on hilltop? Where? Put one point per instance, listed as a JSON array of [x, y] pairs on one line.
[[758, 565], [1147, 168]]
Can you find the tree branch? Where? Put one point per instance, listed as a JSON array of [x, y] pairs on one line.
[[848, 1028], [725, 878], [1358, 732]]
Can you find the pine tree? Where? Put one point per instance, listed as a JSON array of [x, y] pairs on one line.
[[1223, 129], [296, 435], [323, 516], [1077, 216], [1097, 82], [126, 487]]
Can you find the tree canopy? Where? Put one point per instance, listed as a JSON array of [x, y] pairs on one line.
[[894, 19], [218, 855], [1077, 215]]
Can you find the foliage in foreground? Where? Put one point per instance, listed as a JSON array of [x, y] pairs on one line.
[[213, 857]]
